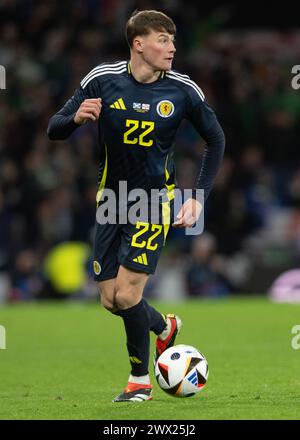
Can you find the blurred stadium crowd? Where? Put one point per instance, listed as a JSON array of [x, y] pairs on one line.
[[47, 189]]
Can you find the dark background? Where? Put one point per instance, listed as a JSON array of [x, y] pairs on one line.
[[241, 55]]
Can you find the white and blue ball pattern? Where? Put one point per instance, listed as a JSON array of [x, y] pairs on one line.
[[181, 371]]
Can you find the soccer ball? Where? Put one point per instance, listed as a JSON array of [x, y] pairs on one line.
[[181, 371]]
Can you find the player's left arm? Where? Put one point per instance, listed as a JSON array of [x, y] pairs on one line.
[[204, 119]]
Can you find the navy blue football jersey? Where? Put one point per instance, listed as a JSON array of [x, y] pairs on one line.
[[138, 123]]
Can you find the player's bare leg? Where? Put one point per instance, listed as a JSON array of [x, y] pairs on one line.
[[129, 287], [124, 291], [107, 294]]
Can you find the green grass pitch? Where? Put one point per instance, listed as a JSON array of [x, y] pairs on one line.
[[68, 360]]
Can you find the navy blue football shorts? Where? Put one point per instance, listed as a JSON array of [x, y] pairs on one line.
[[136, 246]]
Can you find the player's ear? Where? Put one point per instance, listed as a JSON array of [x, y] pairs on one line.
[[138, 44]]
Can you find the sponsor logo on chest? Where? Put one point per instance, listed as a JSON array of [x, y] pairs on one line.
[[141, 107]]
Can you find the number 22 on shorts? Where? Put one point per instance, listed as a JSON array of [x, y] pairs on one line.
[[143, 228]]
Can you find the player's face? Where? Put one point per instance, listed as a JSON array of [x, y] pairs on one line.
[[158, 50]]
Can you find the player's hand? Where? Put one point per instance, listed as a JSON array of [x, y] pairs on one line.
[[188, 214], [89, 110]]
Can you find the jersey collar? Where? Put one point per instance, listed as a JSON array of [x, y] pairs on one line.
[[162, 75]]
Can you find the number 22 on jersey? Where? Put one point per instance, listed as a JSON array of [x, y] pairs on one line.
[[131, 138]]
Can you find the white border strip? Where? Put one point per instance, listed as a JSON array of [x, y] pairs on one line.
[[104, 67], [104, 73], [188, 82]]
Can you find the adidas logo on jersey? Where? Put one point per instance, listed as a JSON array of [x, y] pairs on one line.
[[119, 104], [142, 259]]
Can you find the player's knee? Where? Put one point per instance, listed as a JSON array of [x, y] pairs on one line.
[[109, 305], [107, 299], [127, 297]]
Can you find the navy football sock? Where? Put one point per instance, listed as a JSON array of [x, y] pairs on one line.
[[137, 328], [156, 321]]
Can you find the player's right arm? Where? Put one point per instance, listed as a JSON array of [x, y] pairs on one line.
[[89, 110], [78, 110]]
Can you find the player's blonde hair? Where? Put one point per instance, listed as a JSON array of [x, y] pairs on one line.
[[142, 22]]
